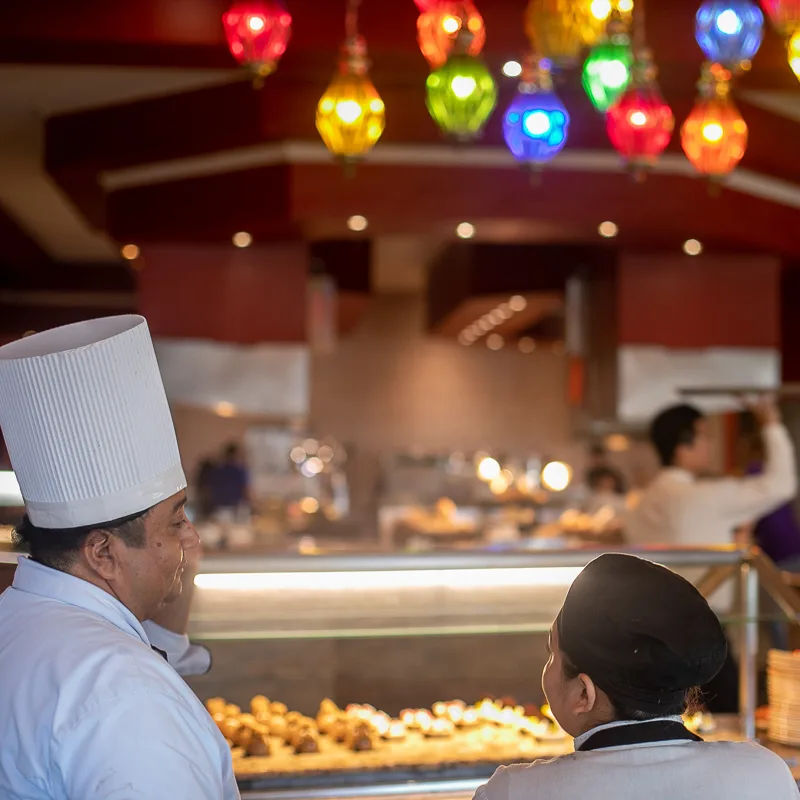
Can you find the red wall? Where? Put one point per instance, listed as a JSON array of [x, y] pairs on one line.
[[706, 301], [223, 293]]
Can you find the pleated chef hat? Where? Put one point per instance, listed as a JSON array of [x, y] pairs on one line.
[[86, 423]]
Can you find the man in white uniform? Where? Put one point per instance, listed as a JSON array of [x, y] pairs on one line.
[[679, 509], [88, 709], [630, 642]]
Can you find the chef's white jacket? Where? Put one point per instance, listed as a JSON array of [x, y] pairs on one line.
[[677, 509], [185, 657], [88, 711], [655, 771]]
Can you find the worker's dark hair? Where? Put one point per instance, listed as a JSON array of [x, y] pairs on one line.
[[672, 428], [232, 450], [58, 548], [597, 474], [691, 702]]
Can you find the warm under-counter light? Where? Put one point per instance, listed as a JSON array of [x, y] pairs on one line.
[[388, 580], [242, 239], [357, 223]]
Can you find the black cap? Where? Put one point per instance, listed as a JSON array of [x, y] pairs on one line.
[[642, 633]]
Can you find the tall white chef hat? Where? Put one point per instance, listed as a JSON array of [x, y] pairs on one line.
[[86, 422]]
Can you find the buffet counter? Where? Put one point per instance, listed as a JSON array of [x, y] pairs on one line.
[[402, 631]]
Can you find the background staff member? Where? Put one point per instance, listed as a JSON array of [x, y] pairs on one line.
[[630, 642], [88, 710]]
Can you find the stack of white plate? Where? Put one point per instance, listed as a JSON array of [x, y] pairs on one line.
[[783, 686]]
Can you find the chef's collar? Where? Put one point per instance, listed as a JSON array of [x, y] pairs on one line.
[[35, 578], [580, 740]]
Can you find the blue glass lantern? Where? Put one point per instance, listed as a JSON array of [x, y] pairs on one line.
[[729, 31], [535, 125]]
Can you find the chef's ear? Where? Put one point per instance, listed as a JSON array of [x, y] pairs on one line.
[[101, 554], [588, 695]]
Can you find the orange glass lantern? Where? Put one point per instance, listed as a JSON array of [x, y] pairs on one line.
[[793, 52], [714, 135], [438, 29], [784, 14], [258, 32]]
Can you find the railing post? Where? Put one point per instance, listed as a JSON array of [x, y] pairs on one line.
[[748, 649]]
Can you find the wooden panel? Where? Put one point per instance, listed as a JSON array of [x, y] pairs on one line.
[[707, 301], [229, 295]]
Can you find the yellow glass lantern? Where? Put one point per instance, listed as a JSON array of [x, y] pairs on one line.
[[438, 29], [714, 135], [555, 29], [793, 52], [597, 15], [351, 115]]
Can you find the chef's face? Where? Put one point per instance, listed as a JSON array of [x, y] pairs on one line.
[[696, 457], [573, 699], [153, 572]]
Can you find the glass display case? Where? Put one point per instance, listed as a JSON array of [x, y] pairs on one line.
[[400, 631]]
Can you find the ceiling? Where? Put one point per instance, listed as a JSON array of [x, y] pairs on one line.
[[127, 121]]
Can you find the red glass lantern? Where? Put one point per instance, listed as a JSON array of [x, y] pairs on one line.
[[640, 123], [784, 14], [438, 29], [258, 32], [427, 5], [714, 135]]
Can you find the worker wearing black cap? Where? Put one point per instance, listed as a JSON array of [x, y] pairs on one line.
[[631, 642]]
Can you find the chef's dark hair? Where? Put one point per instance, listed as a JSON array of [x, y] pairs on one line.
[[691, 703], [58, 548], [672, 428]]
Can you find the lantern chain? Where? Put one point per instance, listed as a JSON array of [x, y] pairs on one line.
[[639, 34], [351, 19]]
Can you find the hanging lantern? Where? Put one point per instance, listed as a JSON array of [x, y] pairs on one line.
[[598, 13], [351, 115], [729, 31], [438, 29], [784, 15], [640, 123], [258, 32], [536, 124], [555, 29], [427, 5], [793, 52], [607, 69], [462, 94], [714, 135]]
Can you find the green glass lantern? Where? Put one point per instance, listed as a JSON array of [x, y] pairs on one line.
[[607, 70], [461, 96]]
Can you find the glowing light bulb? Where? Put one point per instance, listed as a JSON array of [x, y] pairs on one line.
[[494, 341], [357, 223], [601, 9], [638, 118], [256, 23], [712, 131], [692, 247], [451, 24], [348, 111], [488, 469], [625, 6], [729, 22], [537, 123], [517, 303], [242, 239], [608, 229], [556, 476], [614, 74], [512, 69], [463, 86], [465, 230], [130, 252]]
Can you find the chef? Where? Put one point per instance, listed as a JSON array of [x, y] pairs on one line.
[[681, 508], [89, 710], [627, 648]]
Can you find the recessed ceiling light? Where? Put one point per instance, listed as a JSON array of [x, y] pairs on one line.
[[496, 317], [692, 247], [494, 341], [130, 252], [242, 239], [357, 223], [512, 69], [608, 229], [526, 344], [465, 230], [517, 303]]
